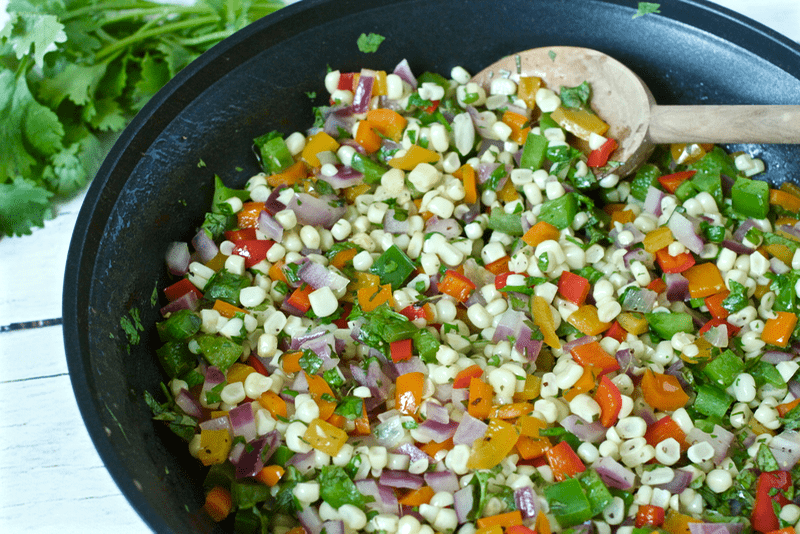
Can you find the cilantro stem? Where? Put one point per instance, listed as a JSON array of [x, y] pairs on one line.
[[129, 9], [165, 28], [215, 36]]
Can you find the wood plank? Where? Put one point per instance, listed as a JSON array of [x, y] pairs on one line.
[[32, 353]]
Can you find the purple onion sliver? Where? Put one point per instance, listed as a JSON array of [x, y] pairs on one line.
[[442, 481], [527, 502], [178, 258], [187, 301], [205, 246], [400, 479]]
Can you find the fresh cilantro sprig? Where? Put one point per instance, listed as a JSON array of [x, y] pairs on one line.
[[72, 75], [369, 43]]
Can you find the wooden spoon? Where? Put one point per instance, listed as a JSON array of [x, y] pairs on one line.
[[636, 122]]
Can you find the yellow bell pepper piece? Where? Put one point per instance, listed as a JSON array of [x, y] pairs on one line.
[[585, 319], [413, 157], [214, 446], [319, 142], [325, 437], [579, 122], [238, 372], [526, 89], [543, 318], [495, 445]]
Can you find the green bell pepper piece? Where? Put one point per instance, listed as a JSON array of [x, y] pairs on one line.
[[181, 325], [712, 401], [596, 491], [546, 122], [646, 176], [247, 494], [219, 351], [508, 223], [667, 324], [533, 152], [372, 170], [751, 197], [176, 359], [724, 369], [393, 267], [568, 503], [686, 190], [275, 155], [560, 212]]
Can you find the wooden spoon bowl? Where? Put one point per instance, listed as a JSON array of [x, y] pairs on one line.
[[635, 121]]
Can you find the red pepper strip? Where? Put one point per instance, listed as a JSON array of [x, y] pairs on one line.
[[573, 287], [346, 81], [252, 250], [732, 330], [431, 108], [658, 285], [670, 182], [649, 515], [239, 235], [400, 350], [674, 264], [519, 529], [180, 288], [763, 517], [610, 400], [564, 462], [501, 280], [417, 311], [456, 285], [465, 375], [665, 428], [299, 298], [256, 364], [617, 332], [599, 156]]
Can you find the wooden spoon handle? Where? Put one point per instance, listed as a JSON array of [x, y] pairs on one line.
[[724, 124]]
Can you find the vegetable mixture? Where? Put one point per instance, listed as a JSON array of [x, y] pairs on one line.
[[439, 309]]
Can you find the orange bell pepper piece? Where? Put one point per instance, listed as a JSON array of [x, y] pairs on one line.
[[663, 392]]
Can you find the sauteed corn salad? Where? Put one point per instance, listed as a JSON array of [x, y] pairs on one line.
[[440, 310]]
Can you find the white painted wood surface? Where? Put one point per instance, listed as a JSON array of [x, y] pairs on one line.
[[51, 478]]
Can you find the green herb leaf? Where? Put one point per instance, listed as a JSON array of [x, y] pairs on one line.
[[369, 43], [645, 8]]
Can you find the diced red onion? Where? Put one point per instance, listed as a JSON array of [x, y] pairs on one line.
[[643, 300], [614, 474], [213, 378], [715, 528], [740, 233], [268, 226], [178, 258], [684, 232], [464, 501], [485, 171], [413, 452], [187, 301], [442, 481], [338, 118], [309, 518], [526, 344], [778, 267], [400, 479], [305, 462], [678, 483], [736, 247], [390, 432], [585, 431], [640, 255], [403, 70], [300, 384], [449, 228], [776, 356], [363, 93], [443, 393], [411, 365], [477, 274], [527, 502], [625, 359], [385, 498], [785, 448], [188, 403], [717, 336], [333, 526], [509, 325], [469, 429], [437, 432], [436, 412], [218, 423], [272, 204], [243, 423], [314, 211], [677, 287], [317, 275], [344, 177], [720, 439], [481, 125], [204, 246], [249, 461], [652, 202]]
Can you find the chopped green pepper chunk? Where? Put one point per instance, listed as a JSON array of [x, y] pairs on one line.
[[372, 170], [533, 152], [751, 197], [667, 324], [176, 358], [219, 351], [712, 401], [596, 491], [275, 155], [508, 223], [646, 176], [393, 267], [568, 503], [560, 212], [724, 369]]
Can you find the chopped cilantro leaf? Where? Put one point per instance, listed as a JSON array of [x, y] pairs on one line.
[[369, 43]]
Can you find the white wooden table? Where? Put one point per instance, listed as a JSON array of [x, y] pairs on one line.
[[51, 477]]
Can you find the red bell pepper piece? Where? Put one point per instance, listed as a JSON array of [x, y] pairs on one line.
[[501, 280], [242, 234], [573, 287], [670, 182], [299, 298], [599, 156], [456, 285], [763, 517], [252, 250], [400, 350], [665, 428], [732, 330], [431, 108], [592, 354], [346, 81], [464, 376], [714, 304], [610, 400], [658, 285], [563, 461], [674, 264], [649, 515], [180, 288], [417, 311], [256, 364], [617, 332]]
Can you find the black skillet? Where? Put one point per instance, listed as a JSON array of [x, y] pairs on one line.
[[155, 185]]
